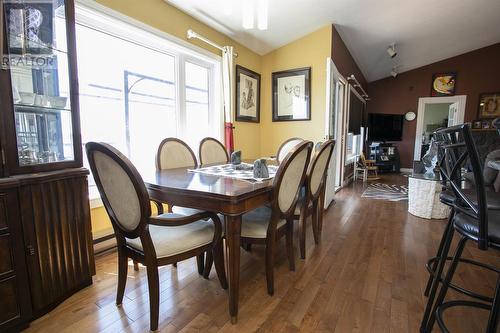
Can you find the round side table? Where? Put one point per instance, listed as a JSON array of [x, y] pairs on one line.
[[423, 197]]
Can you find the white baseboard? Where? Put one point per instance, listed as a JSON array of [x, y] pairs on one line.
[[406, 170]]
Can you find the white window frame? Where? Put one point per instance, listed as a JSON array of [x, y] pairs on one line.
[[95, 16]]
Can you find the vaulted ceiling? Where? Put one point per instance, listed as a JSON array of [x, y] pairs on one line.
[[425, 31]]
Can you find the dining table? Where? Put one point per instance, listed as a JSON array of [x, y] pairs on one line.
[[228, 196]]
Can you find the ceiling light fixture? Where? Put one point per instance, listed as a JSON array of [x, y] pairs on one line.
[[247, 10], [262, 13], [391, 50]]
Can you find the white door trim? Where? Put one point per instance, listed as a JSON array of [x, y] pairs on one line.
[[460, 99]]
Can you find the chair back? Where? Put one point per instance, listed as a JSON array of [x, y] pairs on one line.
[[290, 177], [318, 168], [212, 151], [174, 153], [121, 188], [458, 150], [286, 147]]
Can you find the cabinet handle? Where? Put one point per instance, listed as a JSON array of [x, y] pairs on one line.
[[30, 250]]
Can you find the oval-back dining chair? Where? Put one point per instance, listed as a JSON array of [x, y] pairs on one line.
[[312, 202], [212, 151], [174, 153], [151, 240], [265, 224], [286, 147]]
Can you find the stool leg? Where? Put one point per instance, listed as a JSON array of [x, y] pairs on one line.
[[438, 272], [446, 284], [495, 310], [439, 254]]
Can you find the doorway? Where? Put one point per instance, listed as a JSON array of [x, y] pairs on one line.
[[433, 113]]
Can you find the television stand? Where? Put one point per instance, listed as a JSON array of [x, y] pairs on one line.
[[386, 157]]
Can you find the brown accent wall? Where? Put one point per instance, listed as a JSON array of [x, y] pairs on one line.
[[477, 72], [343, 59]]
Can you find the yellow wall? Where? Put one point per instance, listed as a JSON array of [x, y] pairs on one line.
[[254, 140], [309, 51]]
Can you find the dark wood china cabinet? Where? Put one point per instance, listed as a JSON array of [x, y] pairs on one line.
[[45, 234]]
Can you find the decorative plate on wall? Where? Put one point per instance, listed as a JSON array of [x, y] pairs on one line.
[[410, 116]]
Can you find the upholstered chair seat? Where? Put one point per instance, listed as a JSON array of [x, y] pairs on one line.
[[470, 226], [179, 239], [255, 223], [492, 198]]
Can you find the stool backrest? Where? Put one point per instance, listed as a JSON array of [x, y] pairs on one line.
[[174, 153], [458, 150]]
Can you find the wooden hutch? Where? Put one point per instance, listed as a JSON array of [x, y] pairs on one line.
[[45, 233]]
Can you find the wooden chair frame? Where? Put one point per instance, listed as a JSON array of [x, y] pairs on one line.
[[147, 256], [273, 233], [314, 202]]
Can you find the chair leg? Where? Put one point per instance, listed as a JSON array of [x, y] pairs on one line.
[[315, 219], [154, 296], [270, 265], [200, 262], [302, 230], [209, 260], [289, 244], [446, 283], [440, 249], [495, 310], [438, 272], [365, 175], [122, 277], [218, 257], [136, 266]]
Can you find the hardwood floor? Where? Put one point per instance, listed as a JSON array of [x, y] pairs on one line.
[[367, 275]]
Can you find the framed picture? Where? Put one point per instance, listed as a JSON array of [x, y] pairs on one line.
[[292, 95], [247, 95], [486, 124], [443, 84], [489, 105], [30, 27]]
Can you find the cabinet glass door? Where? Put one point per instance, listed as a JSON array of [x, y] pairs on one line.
[[38, 63]]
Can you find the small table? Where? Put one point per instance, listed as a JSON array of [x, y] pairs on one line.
[[228, 196], [423, 197]]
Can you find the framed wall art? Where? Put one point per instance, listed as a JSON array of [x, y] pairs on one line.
[[489, 105], [292, 94], [247, 95], [443, 84]]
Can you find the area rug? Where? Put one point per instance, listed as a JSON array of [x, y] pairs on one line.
[[386, 192]]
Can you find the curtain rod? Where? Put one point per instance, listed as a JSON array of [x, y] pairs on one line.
[[192, 34], [358, 85]]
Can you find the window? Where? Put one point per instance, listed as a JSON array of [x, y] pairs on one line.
[[137, 88]]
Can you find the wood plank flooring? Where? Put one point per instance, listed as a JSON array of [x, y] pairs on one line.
[[367, 275]]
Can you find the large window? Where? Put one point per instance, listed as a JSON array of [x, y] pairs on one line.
[[137, 88]]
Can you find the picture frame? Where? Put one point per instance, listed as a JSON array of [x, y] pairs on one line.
[[489, 105], [486, 124], [292, 94], [247, 95], [443, 84], [477, 124]]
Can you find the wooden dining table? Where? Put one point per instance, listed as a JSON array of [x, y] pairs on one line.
[[228, 196]]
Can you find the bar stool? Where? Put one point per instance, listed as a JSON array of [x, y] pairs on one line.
[[472, 220]]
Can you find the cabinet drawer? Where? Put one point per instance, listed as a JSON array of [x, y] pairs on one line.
[[6, 266], [3, 212], [9, 306]]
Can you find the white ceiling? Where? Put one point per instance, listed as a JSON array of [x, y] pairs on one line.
[[425, 31]]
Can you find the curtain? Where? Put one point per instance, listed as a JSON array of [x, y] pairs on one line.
[[228, 95]]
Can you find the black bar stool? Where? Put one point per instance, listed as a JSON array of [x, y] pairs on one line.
[[472, 220]]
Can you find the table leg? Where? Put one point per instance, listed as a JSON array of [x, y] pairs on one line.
[[233, 236]]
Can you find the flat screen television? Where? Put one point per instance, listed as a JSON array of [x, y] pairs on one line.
[[385, 127]]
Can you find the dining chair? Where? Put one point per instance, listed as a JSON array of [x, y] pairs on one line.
[[286, 147], [311, 202], [473, 221], [265, 224], [151, 240], [212, 151], [174, 153]]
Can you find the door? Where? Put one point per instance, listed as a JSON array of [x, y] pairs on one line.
[[452, 115], [335, 95]]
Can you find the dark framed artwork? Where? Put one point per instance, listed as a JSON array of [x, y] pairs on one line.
[[247, 95], [477, 124], [489, 105], [443, 84], [292, 95], [30, 27]]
